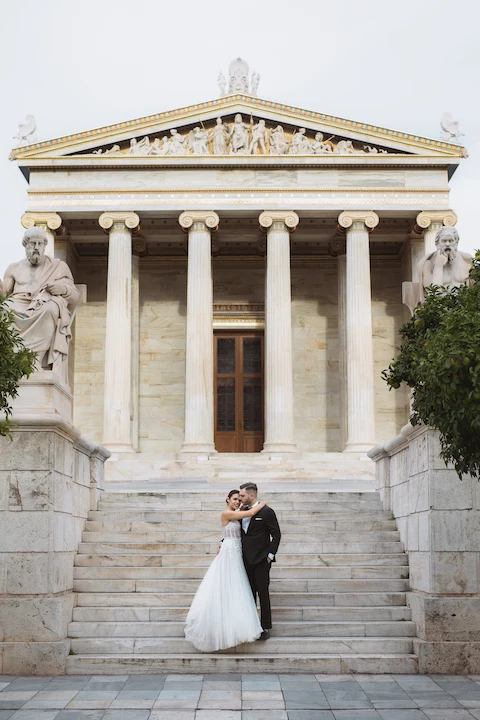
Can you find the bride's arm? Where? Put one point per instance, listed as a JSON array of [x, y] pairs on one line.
[[239, 514]]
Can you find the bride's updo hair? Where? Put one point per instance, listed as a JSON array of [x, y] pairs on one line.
[[232, 492]]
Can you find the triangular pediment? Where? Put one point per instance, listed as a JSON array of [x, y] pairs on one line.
[[265, 128]]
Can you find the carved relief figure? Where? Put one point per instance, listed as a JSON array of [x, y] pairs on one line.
[[446, 266], [198, 141], [255, 82], [239, 137], [177, 144], [222, 84], [43, 297], [300, 143], [373, 150], [278, 143], [220, 136], [259, 138], [319, 147], [345, 147], [160, 147]]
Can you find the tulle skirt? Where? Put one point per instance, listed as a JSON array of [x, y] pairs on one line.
[[223, 613]]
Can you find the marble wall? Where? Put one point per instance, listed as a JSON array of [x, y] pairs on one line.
[[162, 348]]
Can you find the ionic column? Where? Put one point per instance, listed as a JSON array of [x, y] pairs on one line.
[[360, 384], [278, 333], [48, 222], [199, 410], [117, 415], [431, 221]]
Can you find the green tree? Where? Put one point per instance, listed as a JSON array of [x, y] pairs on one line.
[[16, 361], [440, 359]]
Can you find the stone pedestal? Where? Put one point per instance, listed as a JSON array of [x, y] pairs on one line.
[[50, 477], [44, 394], [438, 517], [199, 410], [278, 333]]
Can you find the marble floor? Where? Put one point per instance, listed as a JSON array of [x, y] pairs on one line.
[[241, 697]]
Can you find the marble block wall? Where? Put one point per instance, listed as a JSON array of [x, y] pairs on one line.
[[438, 517], [316, 379], [89, 349], [163, 298], [49, 478]]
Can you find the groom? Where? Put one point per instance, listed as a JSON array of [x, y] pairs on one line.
[[260, 541]]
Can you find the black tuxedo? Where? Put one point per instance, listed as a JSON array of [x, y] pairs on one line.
[[262, 537]]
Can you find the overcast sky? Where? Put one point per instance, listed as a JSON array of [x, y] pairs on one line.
[[80, 65]]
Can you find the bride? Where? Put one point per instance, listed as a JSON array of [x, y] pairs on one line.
[[223, 612]]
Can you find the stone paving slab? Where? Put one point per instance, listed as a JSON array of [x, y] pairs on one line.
[[241, 697]]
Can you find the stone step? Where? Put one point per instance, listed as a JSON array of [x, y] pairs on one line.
[[386, 613], [129, 559], [289, 599], [197, 573], [281, 629], [205, 664], [200, 537], [328, 506], [316, 523], [209, 517], [276, 645], [300, 586], [216, 494], [161, 548]]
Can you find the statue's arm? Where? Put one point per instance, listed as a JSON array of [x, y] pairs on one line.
[[6, 288]]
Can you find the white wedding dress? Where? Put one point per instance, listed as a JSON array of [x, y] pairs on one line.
[[223, 613]]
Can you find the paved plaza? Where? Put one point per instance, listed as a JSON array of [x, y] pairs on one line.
[[240, 697]]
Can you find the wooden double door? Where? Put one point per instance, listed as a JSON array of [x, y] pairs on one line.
[[238, 391]]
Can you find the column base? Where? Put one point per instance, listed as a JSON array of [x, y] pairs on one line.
[[115, 447], [197, 449], [359, 447], [279, 448]]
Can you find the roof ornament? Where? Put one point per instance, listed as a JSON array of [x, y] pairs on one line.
[[238, 79], [450, 131], [25, 131]]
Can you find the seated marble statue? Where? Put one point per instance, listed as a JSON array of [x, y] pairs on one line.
[[446, 266], [43, 297]]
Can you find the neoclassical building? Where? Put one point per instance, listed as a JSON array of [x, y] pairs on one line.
[[243, 263]]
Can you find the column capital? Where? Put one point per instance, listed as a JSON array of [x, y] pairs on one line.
[[288, 217], [129, 219], [50, 219], [207, 217], [369, 218], [435, 217]]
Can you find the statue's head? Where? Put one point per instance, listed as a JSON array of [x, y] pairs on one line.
[[446, 242], [35, 241]]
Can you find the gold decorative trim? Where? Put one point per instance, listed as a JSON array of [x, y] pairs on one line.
[[249, 103], [240, 190]]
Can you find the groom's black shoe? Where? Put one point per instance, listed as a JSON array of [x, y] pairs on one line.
[[265, 635]]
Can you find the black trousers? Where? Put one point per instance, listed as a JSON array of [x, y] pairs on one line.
[[259, 578]]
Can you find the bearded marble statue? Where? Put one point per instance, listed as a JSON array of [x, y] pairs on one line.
[[446, 266], [42, 296]]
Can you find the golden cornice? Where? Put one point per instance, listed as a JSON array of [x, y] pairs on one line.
[[291, 113], [235, 190]]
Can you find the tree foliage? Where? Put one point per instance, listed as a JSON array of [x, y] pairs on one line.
[[440, 359], [16, 361]]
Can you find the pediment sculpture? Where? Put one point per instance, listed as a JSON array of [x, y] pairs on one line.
[[445, 267], [43, 299], [241, 138]]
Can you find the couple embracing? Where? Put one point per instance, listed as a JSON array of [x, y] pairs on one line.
[[223, 613]]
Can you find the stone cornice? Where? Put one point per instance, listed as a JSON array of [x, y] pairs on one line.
[[348, 217], [208, 217], [288, 217], [130, 220]]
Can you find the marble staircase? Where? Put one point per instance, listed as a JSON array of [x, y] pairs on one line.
[[338, 588]]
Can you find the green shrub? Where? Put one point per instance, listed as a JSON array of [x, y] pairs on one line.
[[440, 359], [16, 361]]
